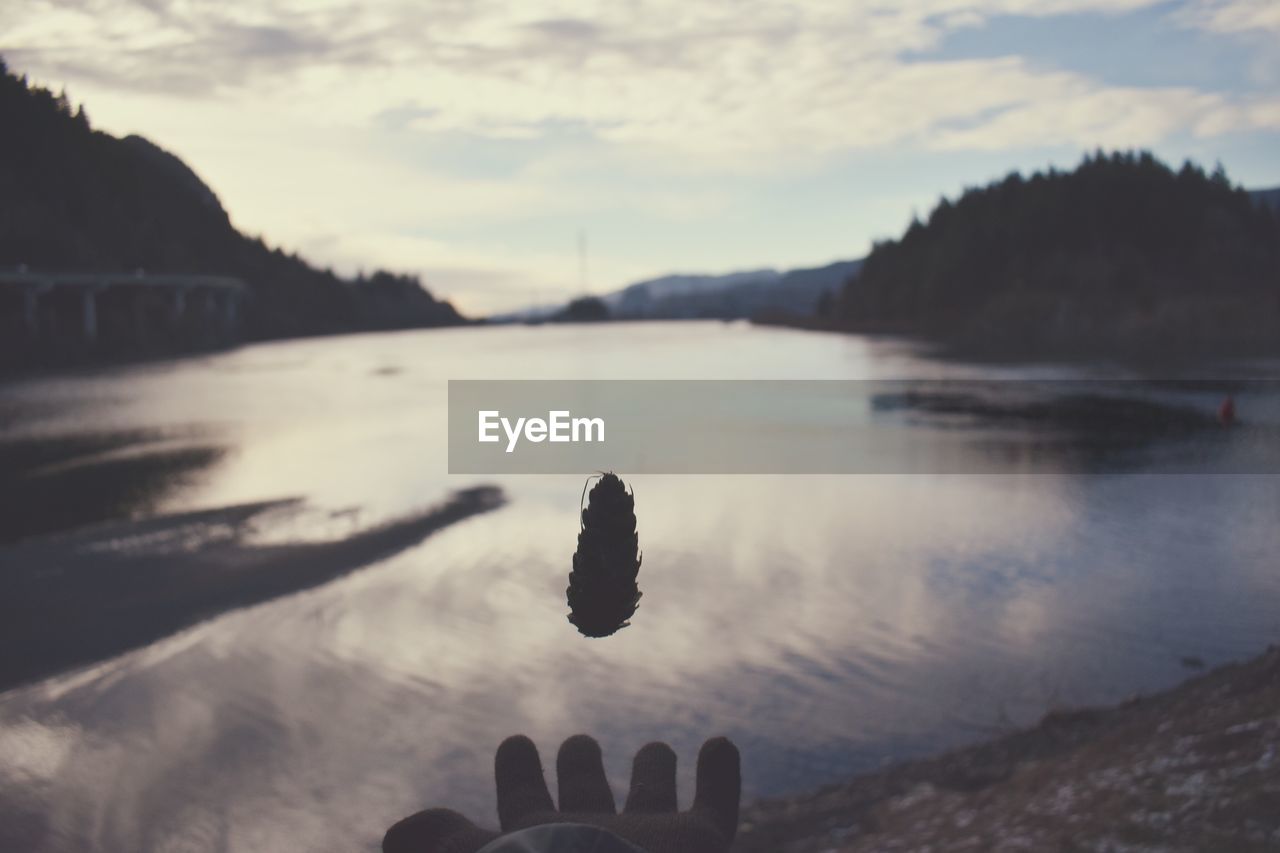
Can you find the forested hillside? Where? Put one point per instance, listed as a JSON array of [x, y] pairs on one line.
[[76, 199], [1122, 255]]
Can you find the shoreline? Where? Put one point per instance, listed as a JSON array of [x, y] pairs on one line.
[[1194, 767], [1163, 356]]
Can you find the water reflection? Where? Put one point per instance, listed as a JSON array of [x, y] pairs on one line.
[[54, 483], [602, 591], [1088, 426], [84, 597], [1061, 405], [825, 623]]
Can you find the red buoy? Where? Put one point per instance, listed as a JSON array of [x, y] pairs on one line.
[[1227, 411]]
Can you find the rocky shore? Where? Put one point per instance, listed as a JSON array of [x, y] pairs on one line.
[[1194, 768]]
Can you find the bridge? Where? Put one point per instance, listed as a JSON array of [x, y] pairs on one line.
[[70, 313]]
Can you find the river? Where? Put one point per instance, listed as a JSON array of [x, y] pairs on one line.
[[828, 624]]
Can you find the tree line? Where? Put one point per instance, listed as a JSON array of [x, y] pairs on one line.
[[1121, 254]]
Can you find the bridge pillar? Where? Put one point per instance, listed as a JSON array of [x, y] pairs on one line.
[[31, 311], [89, 313], [204, 309], [138, 307], [209, 304], [230, 315]]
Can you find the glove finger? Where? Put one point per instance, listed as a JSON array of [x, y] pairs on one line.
[[653, 780], [719, 785], [582, 783], [436, 831], [521, 788]]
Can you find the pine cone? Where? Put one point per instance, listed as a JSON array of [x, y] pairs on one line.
[[602, 591]]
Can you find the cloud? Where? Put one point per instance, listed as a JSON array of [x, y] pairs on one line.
[[1260, 18], [171, 46], [1081, 116], [735, 84], [420, 135], [566, 28]]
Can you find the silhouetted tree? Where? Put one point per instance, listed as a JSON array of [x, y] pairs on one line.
[[586, 309]]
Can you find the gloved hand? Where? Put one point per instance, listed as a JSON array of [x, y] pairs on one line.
[[649, 818]]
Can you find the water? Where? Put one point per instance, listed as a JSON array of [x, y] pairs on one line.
[[827, 624]]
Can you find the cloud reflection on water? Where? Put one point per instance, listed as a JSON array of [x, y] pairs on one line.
[[867, 632], [826, 623]]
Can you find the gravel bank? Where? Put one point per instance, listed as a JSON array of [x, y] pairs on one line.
[[1194, 768]]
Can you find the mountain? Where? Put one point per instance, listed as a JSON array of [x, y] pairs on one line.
[[1122, 256], [647, 296], [737, 295], [678, 297], [802, 292], [76, 199], [740, 295]]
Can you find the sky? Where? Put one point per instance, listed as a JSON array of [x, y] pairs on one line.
[[476, 142]]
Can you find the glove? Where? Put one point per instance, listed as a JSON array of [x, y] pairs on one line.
[[649, 818]]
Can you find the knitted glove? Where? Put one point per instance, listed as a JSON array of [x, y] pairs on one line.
[[649, 818]]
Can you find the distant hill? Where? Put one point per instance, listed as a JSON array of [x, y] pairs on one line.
[[686, 296], [76, 199], [805, 291], [650, 296], [1121, 256], [737, 295]]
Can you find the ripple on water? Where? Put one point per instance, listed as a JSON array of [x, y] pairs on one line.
[[826, 624]]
